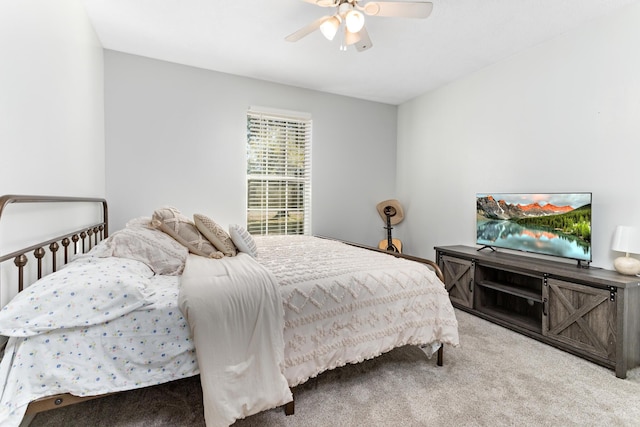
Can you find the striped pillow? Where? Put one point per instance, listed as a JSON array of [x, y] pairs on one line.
[[243, 240]]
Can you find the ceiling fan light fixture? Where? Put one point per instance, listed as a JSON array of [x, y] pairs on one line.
[[354, 21], [329, 28], [350, 38]]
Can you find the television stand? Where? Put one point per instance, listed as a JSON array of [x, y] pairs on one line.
[[590, 312], [487, 247]]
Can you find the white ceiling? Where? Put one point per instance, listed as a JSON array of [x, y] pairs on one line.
[[409, 56]]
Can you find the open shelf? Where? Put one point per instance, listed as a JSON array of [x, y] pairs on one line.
[[517, 305], [525, 293], [523, 320], [510, 296]]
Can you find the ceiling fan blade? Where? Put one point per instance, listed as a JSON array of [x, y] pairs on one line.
[[323, 3], [365, 42], [409, 9], [305, 31]]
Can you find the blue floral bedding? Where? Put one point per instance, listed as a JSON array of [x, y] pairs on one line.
[[97, 326]]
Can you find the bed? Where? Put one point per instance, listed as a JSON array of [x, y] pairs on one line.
[[309, 304]]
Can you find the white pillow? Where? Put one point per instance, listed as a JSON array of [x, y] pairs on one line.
[[243, 240], [85, 292], [141, 221], [215, 234], [153, 247]]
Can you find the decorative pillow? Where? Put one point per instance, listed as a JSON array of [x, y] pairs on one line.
[[153, 247], [181, 228], [243, 240], [215, 234]]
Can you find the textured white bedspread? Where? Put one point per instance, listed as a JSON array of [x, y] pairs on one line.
[[234, 310], [345, 304]]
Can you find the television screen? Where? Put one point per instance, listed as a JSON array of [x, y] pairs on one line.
[[556, 224]]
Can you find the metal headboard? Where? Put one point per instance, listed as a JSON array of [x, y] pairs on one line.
[[87, 236]]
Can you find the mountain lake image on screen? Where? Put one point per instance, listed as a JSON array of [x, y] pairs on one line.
[[555, 224]]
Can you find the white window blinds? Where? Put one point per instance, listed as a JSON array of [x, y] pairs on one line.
[[278, 172]]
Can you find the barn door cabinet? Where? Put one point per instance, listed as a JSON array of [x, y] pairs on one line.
[[458, 279], [591, 312]]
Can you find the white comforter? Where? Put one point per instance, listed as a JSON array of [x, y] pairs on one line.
[[234, 310], [345, 304]]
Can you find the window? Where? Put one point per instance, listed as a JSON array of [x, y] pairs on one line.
[[278, 172]]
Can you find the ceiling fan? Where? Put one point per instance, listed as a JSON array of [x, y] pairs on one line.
[[351, 13]]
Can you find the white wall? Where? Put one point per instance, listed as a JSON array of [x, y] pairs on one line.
[[51, 111], [52, 104], [563, 116], [176, 135]]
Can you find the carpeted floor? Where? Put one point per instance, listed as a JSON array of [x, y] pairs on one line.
[[494, 378]]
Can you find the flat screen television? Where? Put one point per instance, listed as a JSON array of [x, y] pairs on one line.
[[554, 224]]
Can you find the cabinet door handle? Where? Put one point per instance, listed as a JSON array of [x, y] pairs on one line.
[[470, 285], [544, 307]]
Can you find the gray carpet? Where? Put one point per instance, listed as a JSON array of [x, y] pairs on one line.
[[494, 378]]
